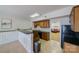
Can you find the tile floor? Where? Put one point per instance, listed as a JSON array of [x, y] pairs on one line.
[[46, 47], [51, 46]]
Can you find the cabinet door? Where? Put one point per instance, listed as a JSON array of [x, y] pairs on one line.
[[45, 36], [0, 37], [42, 24], [77, 19], [35, 36], [46, 24]]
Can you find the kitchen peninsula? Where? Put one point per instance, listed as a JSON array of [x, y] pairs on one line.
[[23, 36]]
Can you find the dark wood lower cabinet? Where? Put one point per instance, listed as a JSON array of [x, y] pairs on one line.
[[36, 38], [42, 35], [45, 36]]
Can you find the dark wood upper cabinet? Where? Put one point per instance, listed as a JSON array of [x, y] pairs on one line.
[[75, 19], [42, 24]]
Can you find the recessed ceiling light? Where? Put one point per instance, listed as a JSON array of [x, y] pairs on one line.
[[35, 15]]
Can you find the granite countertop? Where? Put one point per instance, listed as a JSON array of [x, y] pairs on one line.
[[26, 31], [7, 30]]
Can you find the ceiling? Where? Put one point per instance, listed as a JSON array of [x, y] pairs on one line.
[[24, 11]]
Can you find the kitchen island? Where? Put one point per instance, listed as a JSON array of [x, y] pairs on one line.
[[24, 37]]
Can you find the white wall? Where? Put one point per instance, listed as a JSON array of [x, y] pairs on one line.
[[22, 23], [62, 20], [18, 23]]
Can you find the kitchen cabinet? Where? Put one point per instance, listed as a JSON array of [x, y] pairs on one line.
[[75, 19], [45, 36], [43, 27], [42, 24], [39, 35], [36, 38], [35, 35], [41, 30]]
